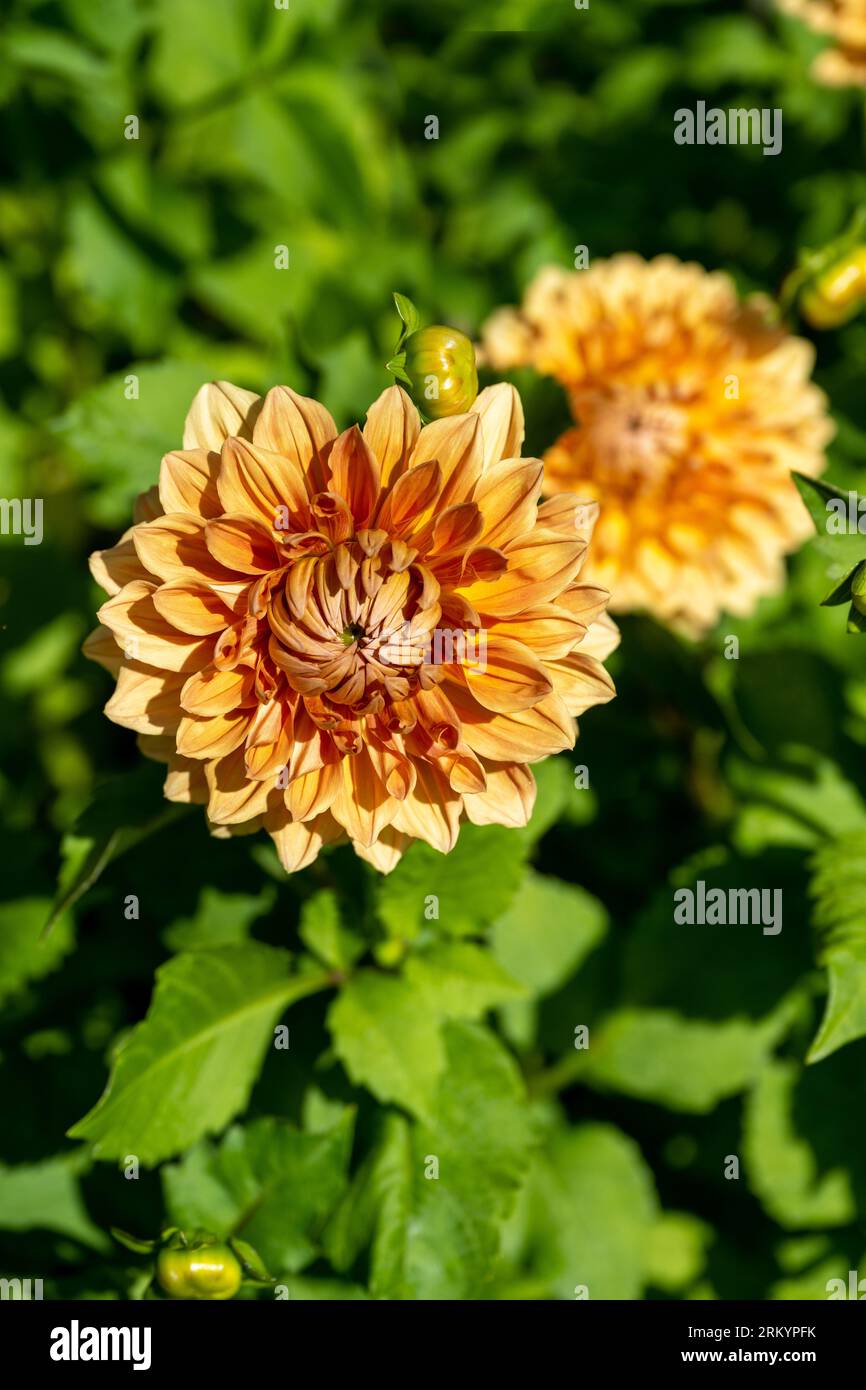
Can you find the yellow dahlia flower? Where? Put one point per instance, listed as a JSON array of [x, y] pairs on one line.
[[844, 21], [691, 410], [369, 634]]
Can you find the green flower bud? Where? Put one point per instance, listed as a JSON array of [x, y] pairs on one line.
[[440, 364], [200, 1272], [838, 293]]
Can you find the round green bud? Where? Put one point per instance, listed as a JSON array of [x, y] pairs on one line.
[[440, 363], [200, 1272], [838, 293]]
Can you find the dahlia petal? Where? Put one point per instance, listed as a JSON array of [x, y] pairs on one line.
[[298, 842], [355, 474], [173, 547], [501, 413], [193, 608], [233, 798], [211, 692], [457, 445], [314, 792], [508, 496], [118, 565], [509, 798], [145, 636], [258, 482], [508, 677], [525, 736], [391, 431], [218, 411], [101, 646], [457, 527], [432, 812], [361, 805], [601, 638], [581, 682], [147, 506], [413, 494], [298, 428], [211, 737], [242, 544], [145, 700], [569, 515], [187, 482], [269, 740], [185, 781], [551, 629], [538, 570], [387, 852]]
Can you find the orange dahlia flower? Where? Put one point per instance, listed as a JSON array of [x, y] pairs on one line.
[[844, 21], [369, 634], [691, 409]]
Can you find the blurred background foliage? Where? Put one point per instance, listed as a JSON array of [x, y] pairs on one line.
[[260, 127]]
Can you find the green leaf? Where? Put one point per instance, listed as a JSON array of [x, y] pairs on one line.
[[839, 889], [387, 1029], [323, 932], [596, 1210], [267, 1183], [138, 1246], [408, 313], [126, 811], [461, 980], [24, 953], [46, 1196], [473, 885], [844, 550], [221, 919], [681, 1063], [251, 1259], [677, 1250], [547, 932], [386, 1033], [799, 801], [190, 1066], [791, 1150], [438, 1237]]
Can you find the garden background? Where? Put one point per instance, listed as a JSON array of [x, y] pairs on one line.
[[154, 257]]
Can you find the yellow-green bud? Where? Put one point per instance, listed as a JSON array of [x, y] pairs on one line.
[[440, 363], [838, 293], [203, 1272]]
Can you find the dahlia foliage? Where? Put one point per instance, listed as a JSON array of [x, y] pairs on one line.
[[369, 634]]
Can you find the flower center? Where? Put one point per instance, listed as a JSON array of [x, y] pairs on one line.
[[635, 439], [352, 632]]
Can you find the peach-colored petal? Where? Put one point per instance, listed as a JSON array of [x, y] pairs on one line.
[[117, 566], [509, 797], [146, 700], [355, 474], [187, 482], [457, 445], [508, 496], [241, 544], [505, 676], [219, 411], [101, 646], [144, 635], [258, 482], [501, 413], [298, 428], [391, 431], [173, 547]]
